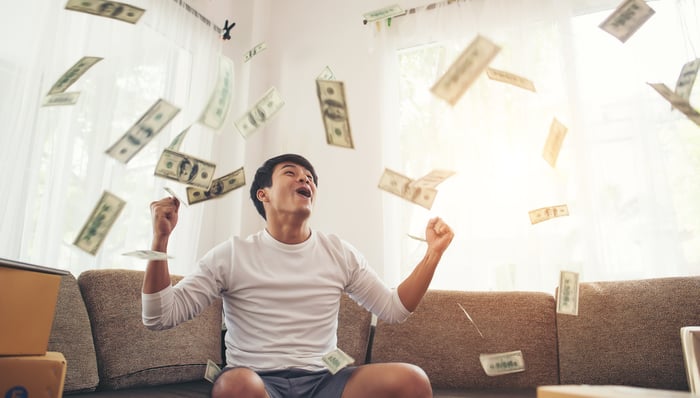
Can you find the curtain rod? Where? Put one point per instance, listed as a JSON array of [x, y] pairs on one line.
[[426, 7]]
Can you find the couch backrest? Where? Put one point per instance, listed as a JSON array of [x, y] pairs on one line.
[[439, 338], [129, 354], [628, 332]]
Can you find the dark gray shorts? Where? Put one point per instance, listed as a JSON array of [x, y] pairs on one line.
[[299, 383]]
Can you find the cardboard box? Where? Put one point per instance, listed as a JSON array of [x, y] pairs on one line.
[[28, 295], [33, 375], [607, 391]]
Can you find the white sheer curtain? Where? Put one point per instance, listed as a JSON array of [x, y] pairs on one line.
[[628, 168], [54, 158]]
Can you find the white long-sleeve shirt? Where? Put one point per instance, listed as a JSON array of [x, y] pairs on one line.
[[280, 301]]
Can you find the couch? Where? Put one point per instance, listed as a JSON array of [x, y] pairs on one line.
[[626, 333]]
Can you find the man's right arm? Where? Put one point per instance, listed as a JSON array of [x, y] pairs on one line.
[[164, 216]]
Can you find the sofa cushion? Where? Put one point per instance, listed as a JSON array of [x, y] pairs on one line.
[[129, 354], [71, 335], [354, 323], [628, 332], [439, 338]]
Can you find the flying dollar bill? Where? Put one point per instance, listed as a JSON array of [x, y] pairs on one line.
[[552, 146], [143, 131], [337, 360], [211, 371], [219, 187], [627, 18], [465, 69], [99, 223], [686, 79], [400, 185], [184, 168], [547, 213], [172, 193], [110, 9], [382, 13], [334, 111], [177, 141], [220, 101], [326, 74], [254, 51], [567, 298], [471, 320], [502, 363], [260, 113], [69, 98], [147, 255], [677, 102], [510, 78], [73, 74]]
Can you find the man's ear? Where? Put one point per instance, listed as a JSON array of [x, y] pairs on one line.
[[261, 195]]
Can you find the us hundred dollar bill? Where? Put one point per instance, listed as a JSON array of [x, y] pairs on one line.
[[254, 51], [677, 102], [99, 223], [260, 113], [110, 9], [510, 78], [147, 255], [337, 360], [334, 111], [211, 371], [184, 168], [686, 79], [400, 185], [552, 146], [73, 74], [502, 363], [219, 187], [567, 298], [69, 98], [627, 18], [143, 131], [382, 13], [547, 213], [220, 101], [326, 74], [465, 69]]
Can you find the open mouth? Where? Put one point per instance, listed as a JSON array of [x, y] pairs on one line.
[[304, 192]]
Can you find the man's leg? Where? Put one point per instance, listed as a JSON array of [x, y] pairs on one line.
[[239, 383], [387, 380]]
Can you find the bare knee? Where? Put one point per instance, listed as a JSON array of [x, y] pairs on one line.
[[239, 383], [412, 381]]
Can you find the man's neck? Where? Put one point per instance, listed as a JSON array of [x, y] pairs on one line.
[[289, 232]]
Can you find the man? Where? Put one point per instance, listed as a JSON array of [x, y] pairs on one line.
[[281, 289]]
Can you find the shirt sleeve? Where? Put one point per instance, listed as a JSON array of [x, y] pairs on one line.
[[188, 298], [371, 292]]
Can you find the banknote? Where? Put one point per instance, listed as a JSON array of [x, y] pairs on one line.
[[686, 79], [211, 371], [382, 13], [336, 360], [147, 255], [326, 74], [254, 51], [99, 223], [177, 141], [260, 113], [143, 131], [184, 168], [471, 320], [627, 18], [334, 111], [110, 9], [465, 69], [220, 101], [552, 146], [677, 102], [172, 193], [547, 213], [219, 187], [432, 179], [567, 299], [69, 98], [73, 74], [400, 185], [510, 78], [502, 363]]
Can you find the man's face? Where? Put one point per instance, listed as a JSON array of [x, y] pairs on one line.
[[292, 192]]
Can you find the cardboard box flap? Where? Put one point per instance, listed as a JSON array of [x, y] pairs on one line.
[[4, 262]]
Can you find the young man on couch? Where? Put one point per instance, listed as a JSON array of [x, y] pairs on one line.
[[281, 289]]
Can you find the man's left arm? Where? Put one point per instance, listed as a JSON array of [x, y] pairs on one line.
[[438, 236]]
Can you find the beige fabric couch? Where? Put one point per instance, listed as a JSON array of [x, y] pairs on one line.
[[626, 333]]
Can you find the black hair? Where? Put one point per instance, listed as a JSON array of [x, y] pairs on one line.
[[263, 177]]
